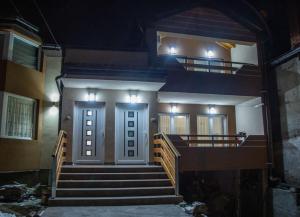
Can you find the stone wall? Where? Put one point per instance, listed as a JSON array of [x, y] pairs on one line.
[[288, 81]]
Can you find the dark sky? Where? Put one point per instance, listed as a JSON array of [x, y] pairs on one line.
[[120, 23]]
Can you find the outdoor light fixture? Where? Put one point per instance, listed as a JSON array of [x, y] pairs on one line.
[[212, 110], [172, 50], [53, 110], [173, 108], [54, 97], [91, 96], [133, 97], [209, 54]]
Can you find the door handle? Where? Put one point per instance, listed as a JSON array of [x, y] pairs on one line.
[[146, 138]]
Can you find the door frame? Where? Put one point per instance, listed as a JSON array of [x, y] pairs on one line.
[[118, 106], [98, 105]]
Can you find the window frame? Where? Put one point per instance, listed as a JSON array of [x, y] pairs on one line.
[[172, 115], [4, 117], [225, 119], [27, 41]]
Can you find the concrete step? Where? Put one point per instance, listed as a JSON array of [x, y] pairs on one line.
[[114, 176], [114, 192], [113, 183], [109, 169], [114, 201]]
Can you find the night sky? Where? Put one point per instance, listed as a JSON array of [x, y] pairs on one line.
[[120, 24]]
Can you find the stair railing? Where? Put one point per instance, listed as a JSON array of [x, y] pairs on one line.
[[168, 157], [58, 158]]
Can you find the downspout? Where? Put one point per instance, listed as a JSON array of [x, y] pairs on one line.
[[59, 86]]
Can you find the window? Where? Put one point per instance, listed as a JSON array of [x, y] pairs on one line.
[[18, 120], [211, 124], [25, 53], [174, 123]]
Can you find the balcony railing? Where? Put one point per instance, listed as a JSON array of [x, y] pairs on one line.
[[207, 140], [220, 152], [203, 64]]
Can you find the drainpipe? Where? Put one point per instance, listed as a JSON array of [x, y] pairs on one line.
[[60, 89]]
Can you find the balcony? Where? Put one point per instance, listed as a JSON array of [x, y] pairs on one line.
[[214, 152], [214, 65], [212, 76]]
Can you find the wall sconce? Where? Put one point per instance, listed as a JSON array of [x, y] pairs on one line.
[[209, 54], [172, 50], [134, 97], [53, 110], [91, 96], [174, 108], [212, 110]]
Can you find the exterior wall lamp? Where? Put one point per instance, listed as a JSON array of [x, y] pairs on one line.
[[172, 50], [173, 108], [134, 97], [209, 54], [212, 110], [91, 96]]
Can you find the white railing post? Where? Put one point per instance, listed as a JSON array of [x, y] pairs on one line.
[[177, 176], [53, 177]]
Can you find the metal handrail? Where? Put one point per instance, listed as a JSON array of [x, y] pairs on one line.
[[233, 139]]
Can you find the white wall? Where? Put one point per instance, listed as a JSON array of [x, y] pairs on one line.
[[53, 60], [249, 119], [244, 54]]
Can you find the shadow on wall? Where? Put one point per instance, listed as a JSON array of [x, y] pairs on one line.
[[216, 189]]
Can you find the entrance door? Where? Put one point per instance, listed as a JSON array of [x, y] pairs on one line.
[[88, 136], [131, 133]]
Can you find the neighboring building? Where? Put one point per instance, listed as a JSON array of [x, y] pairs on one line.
[[286, 147], [26, 87]]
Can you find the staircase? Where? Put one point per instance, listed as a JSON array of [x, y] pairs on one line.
[[91, 185]]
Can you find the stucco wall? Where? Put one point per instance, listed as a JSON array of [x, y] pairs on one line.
[[110, 98], [244, 54], [249, 117], [193, 47], [53, 62], [288, 81], [17, 154], [194, 109]]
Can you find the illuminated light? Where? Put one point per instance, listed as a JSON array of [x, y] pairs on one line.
[[212, 110], [172, 50], [53, 110], [134, 99], [91, 97], [174, 109], [54, 97], [210, 54]]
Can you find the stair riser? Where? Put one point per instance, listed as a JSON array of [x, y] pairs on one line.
[[113, 193], [111, 170], [113, 184], [111, 176], [115, 202]]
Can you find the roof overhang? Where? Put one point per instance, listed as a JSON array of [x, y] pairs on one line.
[[198, 98], [112, 84]]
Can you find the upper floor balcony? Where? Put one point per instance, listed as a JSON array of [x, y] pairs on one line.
[[209, 65]]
